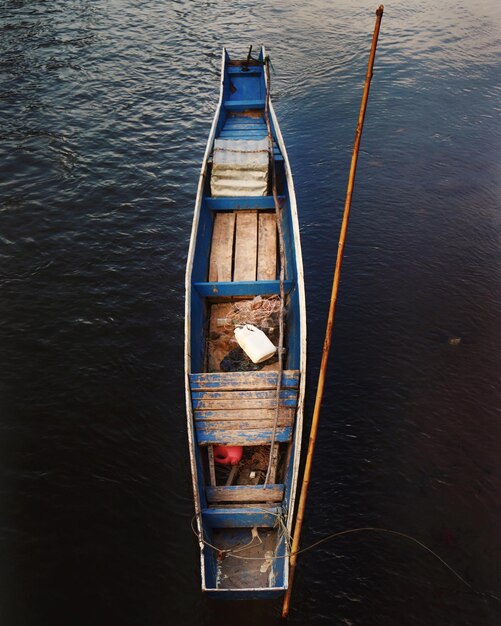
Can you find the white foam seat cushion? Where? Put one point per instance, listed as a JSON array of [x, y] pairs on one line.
[[240, 167]]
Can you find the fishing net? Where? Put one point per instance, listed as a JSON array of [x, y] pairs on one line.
[[237, 361], [261, 312], [224, 353]]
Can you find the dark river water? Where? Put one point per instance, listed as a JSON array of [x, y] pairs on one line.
[[105, 108]]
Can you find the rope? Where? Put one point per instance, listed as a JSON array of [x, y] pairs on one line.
[[258, 311], [278, 216], [350, 531], [232, 551]]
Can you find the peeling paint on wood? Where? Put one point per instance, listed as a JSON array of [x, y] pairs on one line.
[[241, 517], [252, 381], [239, 415], [246, 493], [207, 435], [221, 253]]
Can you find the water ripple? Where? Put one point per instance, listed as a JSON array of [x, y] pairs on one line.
[[105, 108]]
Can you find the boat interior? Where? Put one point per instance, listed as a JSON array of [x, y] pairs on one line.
[[235, 281]]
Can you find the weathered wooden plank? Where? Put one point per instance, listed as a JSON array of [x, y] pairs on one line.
[[232, 474], [274, 462], [248, 113], [242, 133], [221, 254], [243, 122], [267, 247], [237, 400], [245, 493], [237, 203], [237, 118], [241, 416], [212, 469], [250, 437], [237, 403], [242, 105], [285, 394], [244, 288], [229, 381], [232, 505], [215, 426], [214, 400], [241, 517], [247, 72], [245, 246]]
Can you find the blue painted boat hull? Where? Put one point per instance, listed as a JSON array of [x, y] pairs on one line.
[[247, 520]]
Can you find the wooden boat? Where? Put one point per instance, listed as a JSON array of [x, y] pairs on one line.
[[233, 277]]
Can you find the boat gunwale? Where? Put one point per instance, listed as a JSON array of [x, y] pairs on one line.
[[187, 319]]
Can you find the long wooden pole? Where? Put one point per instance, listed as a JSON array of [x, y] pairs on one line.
[[330, 321]]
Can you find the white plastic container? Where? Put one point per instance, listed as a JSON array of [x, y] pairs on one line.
[[254, 343]]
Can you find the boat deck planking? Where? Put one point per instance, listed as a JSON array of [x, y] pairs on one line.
[[221, 258], [245, 246], [267, 247]]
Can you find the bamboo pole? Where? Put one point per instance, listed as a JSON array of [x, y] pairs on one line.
[[330, 321]]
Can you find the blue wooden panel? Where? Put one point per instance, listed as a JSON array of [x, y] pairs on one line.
[[245, 122], [244, 517], [280, 563], [238, 380], [293, 315], [221, 120], [245, 86], [288, 479], [206, 409], [242, 133], [251, 71], [252, 130], [208, 435], [245, 418], [245, 127], [288, 395], [242, 105], [242, 126], [238, 118], [210, 561], [198, 317], [242, 288], [243, 594], [294, 331], [203, 242], [243, 202]]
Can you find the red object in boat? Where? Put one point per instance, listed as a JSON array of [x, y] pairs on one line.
[[228, 455]]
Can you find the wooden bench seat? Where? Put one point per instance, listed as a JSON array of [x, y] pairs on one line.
[[236, 203], [218, 400], [243, 105], [250, 381], [222, 516], [239, 408], [245, 493]]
